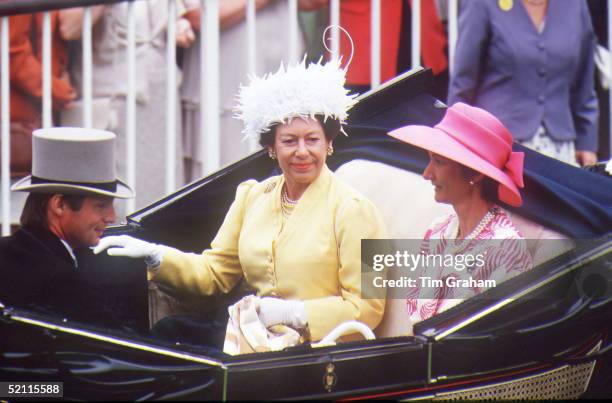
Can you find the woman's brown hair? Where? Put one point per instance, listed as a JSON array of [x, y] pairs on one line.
[[331, 128]]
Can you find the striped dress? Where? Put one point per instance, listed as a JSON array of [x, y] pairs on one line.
[[501, 250]]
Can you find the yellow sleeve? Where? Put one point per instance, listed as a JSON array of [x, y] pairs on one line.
[[216, 270], [357, 219]]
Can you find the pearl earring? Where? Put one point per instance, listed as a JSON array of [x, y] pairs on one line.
[[330, 150], [272, 154]]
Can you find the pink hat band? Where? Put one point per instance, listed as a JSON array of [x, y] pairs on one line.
[[490, 141]]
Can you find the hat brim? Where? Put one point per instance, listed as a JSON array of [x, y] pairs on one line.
[[123, 191], [437, 141]]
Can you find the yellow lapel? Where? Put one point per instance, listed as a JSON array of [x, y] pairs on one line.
[[314, 195]]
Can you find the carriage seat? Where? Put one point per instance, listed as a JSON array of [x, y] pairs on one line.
[[406, 202]]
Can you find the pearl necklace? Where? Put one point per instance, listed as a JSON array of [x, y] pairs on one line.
[[287, 204], [458, 247]]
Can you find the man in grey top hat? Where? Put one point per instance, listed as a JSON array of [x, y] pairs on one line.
[[43, 265]]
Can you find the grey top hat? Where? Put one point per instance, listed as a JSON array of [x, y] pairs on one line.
[[73, 160]]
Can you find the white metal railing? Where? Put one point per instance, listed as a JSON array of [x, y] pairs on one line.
[[293, 31], [131, 103], [610, 73], [375, 52], [46, 56], [87, 89], [453, 11], [334, 19], [252, 51], [171, 98], [5, 125], [209, 86], [415, 34]]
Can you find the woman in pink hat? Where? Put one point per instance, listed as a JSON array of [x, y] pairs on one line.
[[472, 167]]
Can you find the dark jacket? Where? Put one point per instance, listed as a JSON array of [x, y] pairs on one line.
[[38, 273]]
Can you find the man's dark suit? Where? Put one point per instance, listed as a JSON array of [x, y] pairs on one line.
[[38, 273]]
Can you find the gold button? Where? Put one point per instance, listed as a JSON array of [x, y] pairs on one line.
[[505, 5]]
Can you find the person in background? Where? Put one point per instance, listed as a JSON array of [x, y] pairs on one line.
[[26, 81], [530, 63], [45, 265], [295, 237], [26, 89], [473, 168], [272, 35], [355, 17], [599, 16], [434, 43], [109, 41]]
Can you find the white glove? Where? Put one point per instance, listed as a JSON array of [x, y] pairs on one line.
[[274, 311], [125, 245]]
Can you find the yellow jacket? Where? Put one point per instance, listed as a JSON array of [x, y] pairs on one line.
[[313, 256]]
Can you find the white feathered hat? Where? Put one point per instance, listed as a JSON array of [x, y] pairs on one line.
[[294, 91]]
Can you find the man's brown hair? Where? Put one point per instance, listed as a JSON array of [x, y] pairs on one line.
[[34, 212]]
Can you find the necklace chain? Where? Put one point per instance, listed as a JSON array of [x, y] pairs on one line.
[[287, 204], [475, 232]]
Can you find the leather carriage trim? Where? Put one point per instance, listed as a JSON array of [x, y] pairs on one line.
[[576, 263], [119, 342]]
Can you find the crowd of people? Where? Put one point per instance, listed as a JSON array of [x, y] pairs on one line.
[[295, 237]]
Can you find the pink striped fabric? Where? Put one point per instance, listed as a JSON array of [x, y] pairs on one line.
[[504, 258]]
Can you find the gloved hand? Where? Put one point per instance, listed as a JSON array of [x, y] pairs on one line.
[[274, 311], [125, 245]]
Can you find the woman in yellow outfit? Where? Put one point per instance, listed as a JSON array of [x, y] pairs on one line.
[[295, 237]]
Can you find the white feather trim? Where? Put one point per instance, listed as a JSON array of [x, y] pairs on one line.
[[295, 91]]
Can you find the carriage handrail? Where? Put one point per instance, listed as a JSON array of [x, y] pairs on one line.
[[351, 326]]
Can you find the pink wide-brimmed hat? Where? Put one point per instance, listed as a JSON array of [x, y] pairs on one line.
[[473, 137]]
